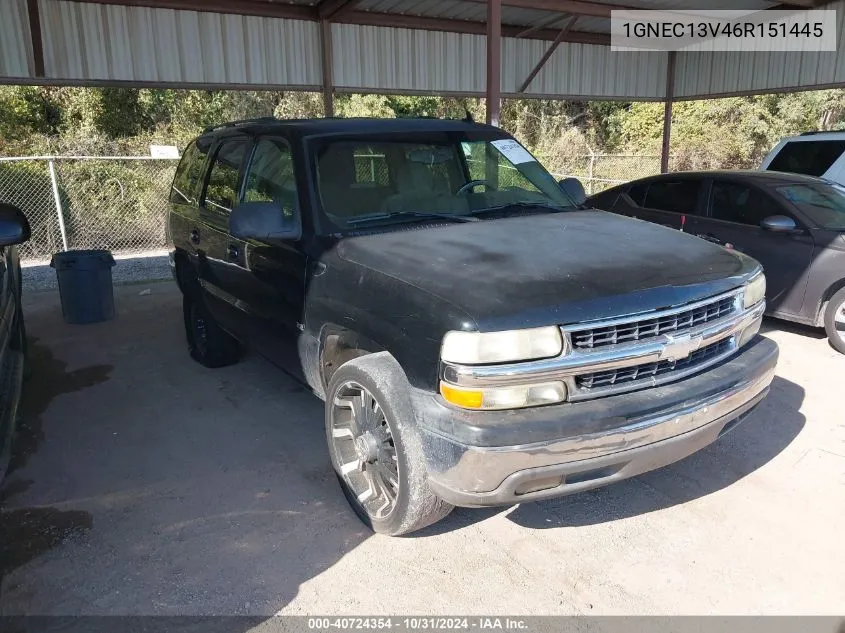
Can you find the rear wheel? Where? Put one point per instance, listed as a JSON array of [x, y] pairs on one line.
[[375, 447], [208, 343], [834, 321]]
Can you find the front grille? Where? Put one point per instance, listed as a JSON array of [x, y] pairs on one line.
[[645, 328], [650, 370]]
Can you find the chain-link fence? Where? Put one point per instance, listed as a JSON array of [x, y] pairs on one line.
[[113, 202], [120, 202], [602, 171]]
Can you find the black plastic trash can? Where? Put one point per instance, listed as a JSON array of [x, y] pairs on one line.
[[85, 285]]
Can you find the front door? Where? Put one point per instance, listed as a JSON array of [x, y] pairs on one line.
[[734, 213], [268, 281]]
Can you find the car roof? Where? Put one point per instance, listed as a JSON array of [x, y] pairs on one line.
[[331, 125], [817, 135], [761, 177]]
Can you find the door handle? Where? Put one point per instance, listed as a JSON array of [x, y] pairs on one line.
[[709, 237], [195, 236], [233, 252], [318, 268]]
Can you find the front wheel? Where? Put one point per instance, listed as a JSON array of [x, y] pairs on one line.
[[834, 321], [375, 447]]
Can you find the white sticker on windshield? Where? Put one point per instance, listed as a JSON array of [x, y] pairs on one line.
[[513, 151]]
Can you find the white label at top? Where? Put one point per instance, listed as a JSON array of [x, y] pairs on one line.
[[164, 151], [513, 151]]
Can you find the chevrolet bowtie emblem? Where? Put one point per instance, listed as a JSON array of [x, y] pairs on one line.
[[680, 346]]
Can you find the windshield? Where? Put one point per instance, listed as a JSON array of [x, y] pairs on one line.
[[822, 202], [402, 181]]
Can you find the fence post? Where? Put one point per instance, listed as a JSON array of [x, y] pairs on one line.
[[590, 174], [58, 200]]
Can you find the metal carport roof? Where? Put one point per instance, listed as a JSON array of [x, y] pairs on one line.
[[532, 48]]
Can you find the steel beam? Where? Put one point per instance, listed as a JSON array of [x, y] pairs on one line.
[[35, 38], [667, 113], [547, 54], [328, 75], [494, 61]]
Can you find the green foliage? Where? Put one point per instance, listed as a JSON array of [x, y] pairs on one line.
[[733, 132]]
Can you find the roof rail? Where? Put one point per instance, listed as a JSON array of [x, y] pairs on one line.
[[262, 119], [810, 133]]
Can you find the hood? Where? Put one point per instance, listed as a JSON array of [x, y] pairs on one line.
[[555, 268]]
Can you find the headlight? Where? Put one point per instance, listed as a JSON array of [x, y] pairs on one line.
[[755, 291], [477, 348], [504, 397]]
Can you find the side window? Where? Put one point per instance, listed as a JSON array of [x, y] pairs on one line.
[[734, 202], [221, 192], [680, 196], [807, 157], [270, 177], [637, 193], [189, 173]]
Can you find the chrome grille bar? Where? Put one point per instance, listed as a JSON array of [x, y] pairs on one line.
[[652, 325], [630, 364]]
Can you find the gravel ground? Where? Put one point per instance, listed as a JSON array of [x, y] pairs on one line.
[[38, 275], [145, 484]]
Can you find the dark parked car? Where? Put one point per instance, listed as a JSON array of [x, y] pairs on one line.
[[478, 337], [794, 225], [14, 229]]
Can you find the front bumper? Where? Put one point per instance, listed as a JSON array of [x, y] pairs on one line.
[[484, 458]]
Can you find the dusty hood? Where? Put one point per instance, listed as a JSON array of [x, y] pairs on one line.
[[552, 268]]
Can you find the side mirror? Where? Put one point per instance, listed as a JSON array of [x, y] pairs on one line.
[[573, 188], [14, 227], [779, 224], [263, 221]]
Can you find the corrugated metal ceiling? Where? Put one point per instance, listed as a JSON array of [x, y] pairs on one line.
[[15, 51], [101, 43]]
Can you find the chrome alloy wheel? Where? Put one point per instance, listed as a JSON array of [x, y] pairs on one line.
[[839, 321], [363, 449]]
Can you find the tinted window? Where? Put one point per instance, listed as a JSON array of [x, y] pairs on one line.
[[222, 189], [824, 203], [637, 193], [270, 177], [734, 202], [807, 157], [186, 182], [680, 196]]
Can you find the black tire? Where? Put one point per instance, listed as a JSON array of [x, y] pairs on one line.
[[19, 342], [415, 505], [208, 343], [835, 336]]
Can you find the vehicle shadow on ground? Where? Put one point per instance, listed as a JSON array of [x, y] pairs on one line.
[[160, 487], [766, 432], [770, 324]]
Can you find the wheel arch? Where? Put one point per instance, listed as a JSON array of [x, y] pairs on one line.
[[821, 307], [339, 345]]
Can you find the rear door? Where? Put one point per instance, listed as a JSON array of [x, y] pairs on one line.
[[222, 188], [672, 202], [184, 217], [734, 212]]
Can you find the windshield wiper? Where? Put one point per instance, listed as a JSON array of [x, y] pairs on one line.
[[523, 205], [414, 215]]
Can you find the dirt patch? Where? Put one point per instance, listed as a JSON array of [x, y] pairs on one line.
[[49, 378], [28, 532]]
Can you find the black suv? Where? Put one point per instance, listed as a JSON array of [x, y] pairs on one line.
[[478, 336]]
